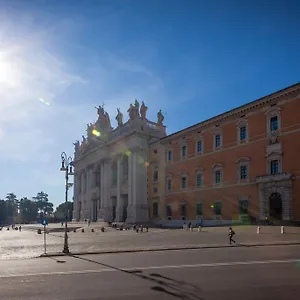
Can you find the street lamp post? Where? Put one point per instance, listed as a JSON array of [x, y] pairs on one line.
[[67, 167]]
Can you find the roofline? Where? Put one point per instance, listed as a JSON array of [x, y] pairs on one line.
[[239, 109]]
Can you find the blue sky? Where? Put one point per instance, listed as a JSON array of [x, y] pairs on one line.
[[192, 59]]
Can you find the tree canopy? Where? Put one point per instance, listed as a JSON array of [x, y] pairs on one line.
[[26, 210]]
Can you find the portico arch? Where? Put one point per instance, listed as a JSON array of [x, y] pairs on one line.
[[275, 197], [275, 206]]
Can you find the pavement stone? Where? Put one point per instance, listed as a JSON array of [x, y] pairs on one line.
[[28, 244]]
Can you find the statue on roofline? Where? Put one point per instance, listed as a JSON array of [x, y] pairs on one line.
[[119, 118], [131, 111], [143, 110], [137, 108], [160, 118]]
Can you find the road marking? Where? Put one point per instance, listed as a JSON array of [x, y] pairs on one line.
[[152, 268]]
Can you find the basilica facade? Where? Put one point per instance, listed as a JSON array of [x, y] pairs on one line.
[[110, 181]]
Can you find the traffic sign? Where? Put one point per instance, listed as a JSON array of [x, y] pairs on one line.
[[44, 222]]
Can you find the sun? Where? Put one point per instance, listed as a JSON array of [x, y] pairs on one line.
[[8, 71]]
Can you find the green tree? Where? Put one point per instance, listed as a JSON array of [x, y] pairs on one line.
[[62, 209], [12, 207], [3, 212], [28, 210], [45, 207]]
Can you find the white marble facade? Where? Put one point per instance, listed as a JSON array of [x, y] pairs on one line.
[[110, 182]]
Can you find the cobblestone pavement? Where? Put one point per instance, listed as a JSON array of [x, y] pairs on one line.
[[28, 244]]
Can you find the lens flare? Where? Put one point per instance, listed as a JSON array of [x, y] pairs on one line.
[[96, 132], [128, 152], [45, 102]]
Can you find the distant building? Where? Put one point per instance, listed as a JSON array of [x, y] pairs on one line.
[[244, 162], [110, 181]]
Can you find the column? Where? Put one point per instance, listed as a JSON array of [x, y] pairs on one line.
[[140, 186], [83, 203], [88, 193], [106, 191], [102, 203], [102, 186], [79, 197], [82, 181], [119, 207], [75, 197], [129, 185], [134, 170]]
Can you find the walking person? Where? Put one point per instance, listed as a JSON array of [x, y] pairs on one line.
[[231, 234]]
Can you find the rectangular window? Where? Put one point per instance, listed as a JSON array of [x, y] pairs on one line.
[[169, 211], [243, 133], [155, 176], [218, 176], [199, 180], [243, 172], [199, 209], [274, 123], [155, 190], [243, 207], [218, 208], [183, 151], [169, 155], [199, 147], [183, 210], [183, 182], [217, 140], [169, 184], [274, 166], [155, 209]]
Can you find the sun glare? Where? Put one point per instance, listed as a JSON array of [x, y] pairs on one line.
[[8, 71]]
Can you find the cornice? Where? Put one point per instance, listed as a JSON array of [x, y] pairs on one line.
[[287, 93]]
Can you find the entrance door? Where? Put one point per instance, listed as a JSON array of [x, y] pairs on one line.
[[95, 210], [79, 212], [114, 213], [275, 202], [124, 213]]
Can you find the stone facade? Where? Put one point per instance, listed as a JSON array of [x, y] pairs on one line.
[[110, 181], [157, 179], [234, 164]]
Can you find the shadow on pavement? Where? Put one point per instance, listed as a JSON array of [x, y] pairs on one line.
[[176, 288]]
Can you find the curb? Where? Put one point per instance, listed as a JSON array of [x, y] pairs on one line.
[[166, 249]]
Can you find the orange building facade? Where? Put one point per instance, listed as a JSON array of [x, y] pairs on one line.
[[244, 163]]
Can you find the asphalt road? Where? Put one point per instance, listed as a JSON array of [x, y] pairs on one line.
[[230, 273]]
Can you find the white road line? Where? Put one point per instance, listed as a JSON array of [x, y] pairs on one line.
[[153, 268]]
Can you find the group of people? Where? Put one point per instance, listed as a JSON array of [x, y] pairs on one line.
[[13, 227]]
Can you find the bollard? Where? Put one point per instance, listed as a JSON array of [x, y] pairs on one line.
[[183, 226], [199, 229], [92, 230], [258, 230], [82, 230], [282, 229]]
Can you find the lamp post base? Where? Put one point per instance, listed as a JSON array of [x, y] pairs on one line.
[[66, 244], [66, 250]]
